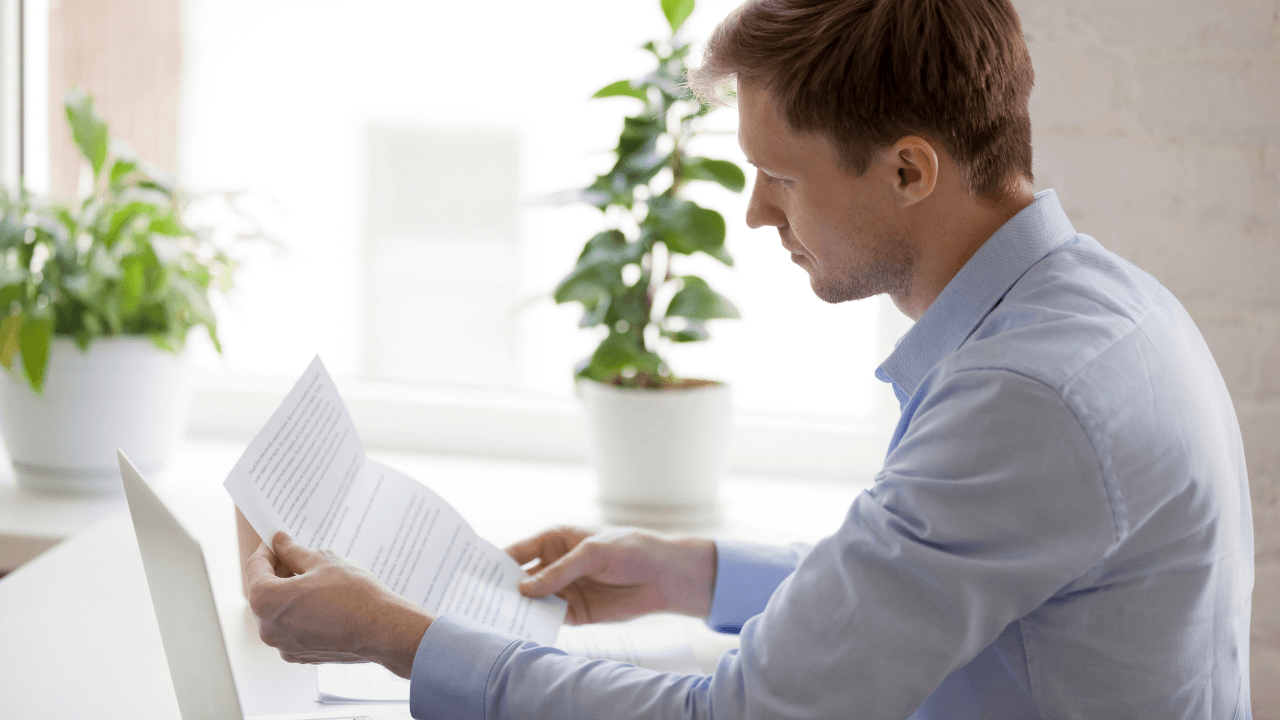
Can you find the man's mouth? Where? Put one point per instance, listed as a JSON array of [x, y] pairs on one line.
[[789, 247]]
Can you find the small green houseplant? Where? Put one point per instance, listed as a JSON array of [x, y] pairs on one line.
[[657, 441], [97, 298], [118, 262], [625, 278]]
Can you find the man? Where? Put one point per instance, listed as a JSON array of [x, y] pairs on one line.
[[1062, 525]]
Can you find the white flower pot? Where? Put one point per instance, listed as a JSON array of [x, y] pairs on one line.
[[658, 454], [123, 393]]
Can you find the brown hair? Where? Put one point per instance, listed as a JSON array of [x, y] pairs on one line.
[[865, 73]]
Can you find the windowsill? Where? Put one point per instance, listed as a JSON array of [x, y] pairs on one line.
[[758, 506], [460, 421]]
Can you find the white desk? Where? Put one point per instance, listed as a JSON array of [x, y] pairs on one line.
[[78, 637]]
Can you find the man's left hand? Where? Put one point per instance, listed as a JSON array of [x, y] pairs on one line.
[[315, 606]]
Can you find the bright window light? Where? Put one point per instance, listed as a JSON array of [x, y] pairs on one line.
[[399, 151]]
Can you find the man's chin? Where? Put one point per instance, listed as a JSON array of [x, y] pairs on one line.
[[837, 293], [829, 294], [891, 278]]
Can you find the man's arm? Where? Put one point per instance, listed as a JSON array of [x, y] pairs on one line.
[[977, 519]]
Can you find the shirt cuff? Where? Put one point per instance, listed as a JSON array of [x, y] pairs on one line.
[[746, 576], [451, 668]]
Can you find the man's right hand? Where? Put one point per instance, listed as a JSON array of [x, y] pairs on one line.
[[619, 573]]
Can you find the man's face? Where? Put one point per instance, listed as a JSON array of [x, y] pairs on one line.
[[847, 232]]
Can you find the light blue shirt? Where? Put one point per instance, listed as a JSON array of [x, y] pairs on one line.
[[1061, 530]]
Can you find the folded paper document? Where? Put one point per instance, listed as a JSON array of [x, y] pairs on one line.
[[306, 473]]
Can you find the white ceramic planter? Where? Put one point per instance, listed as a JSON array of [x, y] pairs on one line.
[[658, 454], [123, 393]]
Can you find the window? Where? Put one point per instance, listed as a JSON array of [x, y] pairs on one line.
[[399, 151]]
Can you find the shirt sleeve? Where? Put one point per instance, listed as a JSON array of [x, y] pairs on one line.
[[991, 503], [746, 576]]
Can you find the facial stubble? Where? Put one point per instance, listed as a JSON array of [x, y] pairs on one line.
[[885, 266]]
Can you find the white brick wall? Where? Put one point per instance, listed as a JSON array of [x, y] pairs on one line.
[[1158, 122]]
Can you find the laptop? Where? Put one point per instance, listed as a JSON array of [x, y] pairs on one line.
[[183, 600]]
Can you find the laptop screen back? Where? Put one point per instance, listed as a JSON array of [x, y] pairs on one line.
[[183, 600]]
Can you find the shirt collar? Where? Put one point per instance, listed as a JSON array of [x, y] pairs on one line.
[[974, 291]]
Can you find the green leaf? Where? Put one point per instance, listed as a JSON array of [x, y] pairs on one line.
[[120, 169], [639, 135], [92, 324], [694, 331], [605, 247], [88, 129], [588, 285], [9, 295], [632, 305], [619, 351], [155, 184], [615, 188], [111, 312], [213, 337], [82, 338], [697, 301], [33, 343], [722, 254], [687, 228], [133, 285], [196, 298], [597, 314], [122, 219], [641, 127], [616, 351], [677, 11], [723, 172], [166, 341], [642, 166], [9, 329], [621, 88], [167, 224], [598, 273], [584, 369]]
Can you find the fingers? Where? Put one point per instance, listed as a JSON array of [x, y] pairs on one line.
[[312, 657], [546, 546], [260, 566], [527, 549], [296, 557], [584, 559]]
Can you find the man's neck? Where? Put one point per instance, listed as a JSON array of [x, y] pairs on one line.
[[950, 228]]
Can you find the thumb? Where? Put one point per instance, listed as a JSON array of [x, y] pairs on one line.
[[582, 560], [297, 558]]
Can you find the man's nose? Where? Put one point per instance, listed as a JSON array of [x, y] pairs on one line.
[[761, 210]]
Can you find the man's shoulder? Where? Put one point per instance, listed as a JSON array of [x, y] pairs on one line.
[[1064, 315]]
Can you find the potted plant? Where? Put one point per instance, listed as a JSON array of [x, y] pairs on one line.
[[97, 299], [657, 439]]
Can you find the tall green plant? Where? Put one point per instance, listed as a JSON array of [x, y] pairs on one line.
[[625, 277], [119, 262]]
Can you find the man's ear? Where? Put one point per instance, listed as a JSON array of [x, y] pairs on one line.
[[915, 165]]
